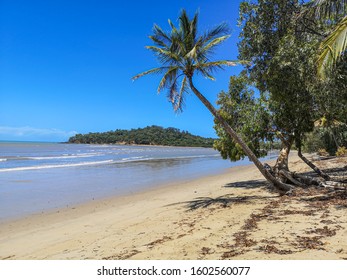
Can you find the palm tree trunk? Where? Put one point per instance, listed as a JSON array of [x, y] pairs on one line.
[[281, 187]]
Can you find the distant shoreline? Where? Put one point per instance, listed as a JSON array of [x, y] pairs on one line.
[[150, 135], [103, 144]]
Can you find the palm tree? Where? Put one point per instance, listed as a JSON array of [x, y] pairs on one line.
[[183, 53], [334, 44]]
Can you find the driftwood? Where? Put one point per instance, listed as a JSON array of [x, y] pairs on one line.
[[299, 180]]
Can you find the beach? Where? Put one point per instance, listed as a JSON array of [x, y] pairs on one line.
[[225, 216]]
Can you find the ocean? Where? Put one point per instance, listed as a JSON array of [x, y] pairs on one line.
[[35, 177]]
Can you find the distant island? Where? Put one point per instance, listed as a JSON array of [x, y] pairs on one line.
[[150, 135]]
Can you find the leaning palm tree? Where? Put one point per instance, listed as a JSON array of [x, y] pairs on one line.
[[334, 45], [183, 53]]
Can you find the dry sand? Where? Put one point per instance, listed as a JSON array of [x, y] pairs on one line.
[[227, 216]]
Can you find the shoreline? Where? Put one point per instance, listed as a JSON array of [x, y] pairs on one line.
[[124, 198], [53, 177], [197, 219], [153, 187]]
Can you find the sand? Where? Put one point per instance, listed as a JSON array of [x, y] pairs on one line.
[[227, 216]]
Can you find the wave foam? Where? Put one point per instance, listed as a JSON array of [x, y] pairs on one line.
[[55, 166], [66, 156]]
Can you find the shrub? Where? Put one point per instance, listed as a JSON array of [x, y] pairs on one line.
[[323, 152], [341, 151]]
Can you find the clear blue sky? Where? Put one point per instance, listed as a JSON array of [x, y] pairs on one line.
[[66, 67]]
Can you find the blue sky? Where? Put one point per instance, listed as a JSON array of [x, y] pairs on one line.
[[66, 67]]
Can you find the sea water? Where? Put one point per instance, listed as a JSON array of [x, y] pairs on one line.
[[35, 177]]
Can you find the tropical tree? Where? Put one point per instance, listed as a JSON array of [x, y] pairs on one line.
[[184, 53], [283, 65], [249, 116]]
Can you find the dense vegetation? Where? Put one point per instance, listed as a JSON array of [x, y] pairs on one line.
[[150, 135], [279, 96], [295, 105]]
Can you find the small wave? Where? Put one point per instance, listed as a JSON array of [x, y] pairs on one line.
[[199, 156], [55, 166], [140, 159], [134, 158], [65, 156]]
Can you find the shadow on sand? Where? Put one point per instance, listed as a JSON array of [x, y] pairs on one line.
[[226, 200], [223, 201], [249, 184]]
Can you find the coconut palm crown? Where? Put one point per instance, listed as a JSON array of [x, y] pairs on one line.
[[334, 44], [182, 53], [333, 47]]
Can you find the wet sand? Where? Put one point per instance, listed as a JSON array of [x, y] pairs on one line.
[[228, 216]]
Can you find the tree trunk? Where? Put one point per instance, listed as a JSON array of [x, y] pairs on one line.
[[281, 169], [282, 160], [313, 166], [281, 187]]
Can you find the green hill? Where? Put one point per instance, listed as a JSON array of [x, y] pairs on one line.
[[150, 135]]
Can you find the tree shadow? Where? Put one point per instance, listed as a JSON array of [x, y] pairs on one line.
[[336, 173], [223, 201], [249, 184]]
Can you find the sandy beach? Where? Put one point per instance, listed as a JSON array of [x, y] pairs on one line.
[[228, 216]]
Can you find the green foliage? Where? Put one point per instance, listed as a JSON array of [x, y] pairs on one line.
[[290, 73], [331, 93], [150, 135], [312, 143], [264, 24], [283, 64], [329, 138], [341, 152], [247, 115]]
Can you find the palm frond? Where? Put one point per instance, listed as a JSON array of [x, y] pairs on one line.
[[161, 35], [220, 63], [206, 73], [164, 55], [179, 98], [215, 42], [158, 41], [192, 54], [173, 27], [333, 47], [168, 78], [172, 93], [208, 68], [194, 25], [184, 22], [218, 31], [327, 8], [158, 70]]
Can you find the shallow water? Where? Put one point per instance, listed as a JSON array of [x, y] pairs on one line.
[[36, 177]]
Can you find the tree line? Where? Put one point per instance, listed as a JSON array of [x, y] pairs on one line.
[[150, 135]]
